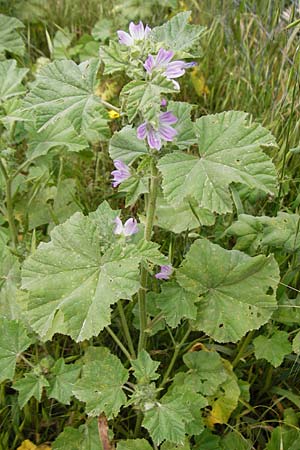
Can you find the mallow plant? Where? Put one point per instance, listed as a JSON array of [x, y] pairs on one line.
[[113, 280]]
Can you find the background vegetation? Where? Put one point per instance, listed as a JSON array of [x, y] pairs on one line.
[[250, 62]]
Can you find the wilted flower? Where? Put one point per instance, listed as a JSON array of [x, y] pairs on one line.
[[121, 174], [164, 131], [165, 272], [172, 69], [128, 229], [136, 33]]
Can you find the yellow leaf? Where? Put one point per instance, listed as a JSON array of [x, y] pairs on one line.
[[199, 84], [27, 445], [225, 400]]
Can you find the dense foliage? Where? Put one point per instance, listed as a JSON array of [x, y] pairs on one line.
[[150, 251]]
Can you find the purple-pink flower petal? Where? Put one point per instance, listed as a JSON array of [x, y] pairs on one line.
[[163, 57], [121, 174], [163, 102], [142, 131], [175, 69], [149, 64], [167, 118], [165, 272], [130, 227], [153, 138], [119, 226], [137, 31], [167, 133], [125, 38]]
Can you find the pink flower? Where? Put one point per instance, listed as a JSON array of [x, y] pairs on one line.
[[164, 132], [129, 228], [136, 33], [121, 174], [165, 272]]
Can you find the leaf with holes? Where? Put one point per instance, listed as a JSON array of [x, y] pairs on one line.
[[229, 151], [237, 292]]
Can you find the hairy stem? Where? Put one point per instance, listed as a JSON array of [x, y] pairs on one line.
[[119, 343], [154, 183], [109, 105], [126, 330], [9, 206]]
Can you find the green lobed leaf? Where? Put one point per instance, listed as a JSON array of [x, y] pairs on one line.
[[86, 437], [249, 232], [58, 134], [11, 79], [296, 343], [31, 385], [186, 216], [234, 440], [74, 279], [64, 90], [62, 382], [170, 446], [284, 438], [184, 126], [134, 187], [113, 57], [10, 279], [166, 421], [176, 303], [10, 39], [208, 441], [273, 348], [206, 371], [125, 145], [282, 232], [144, 97], [100, 385], [177, 34], [134, 444], [145, 368], [229, 150], [237, 292], [61, 43], [13, 341]]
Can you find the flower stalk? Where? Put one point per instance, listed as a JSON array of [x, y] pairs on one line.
[[150, 214]]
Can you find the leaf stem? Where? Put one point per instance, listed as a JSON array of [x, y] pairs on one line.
[[174, 357], [9, 206], [154, 183], [242, 347], [109, 105], [126, 330], [119, 343]]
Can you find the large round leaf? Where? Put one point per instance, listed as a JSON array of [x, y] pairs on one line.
[[237, 291], [73, 280], [229, 150]]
